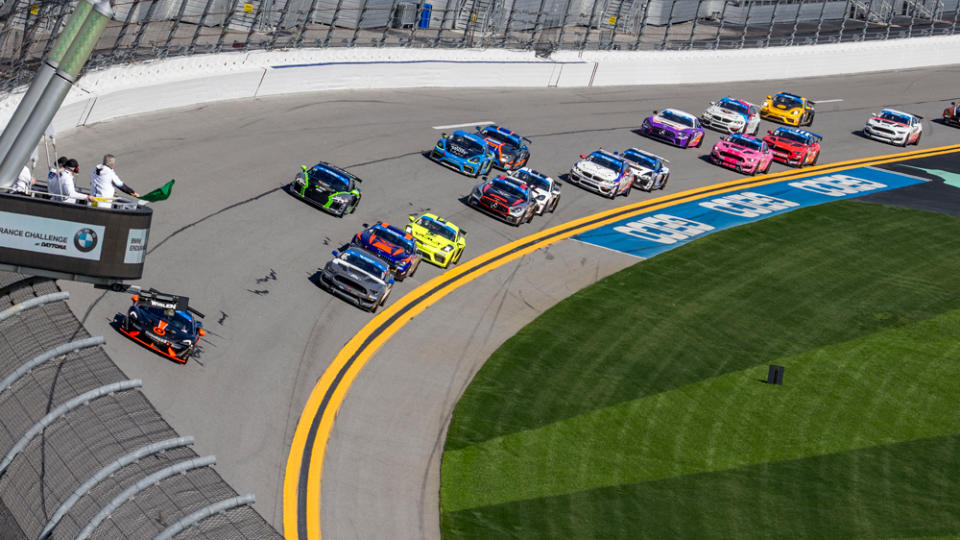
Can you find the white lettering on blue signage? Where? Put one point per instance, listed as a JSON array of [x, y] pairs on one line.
[[664, 228], [837, 185], [748, 204]]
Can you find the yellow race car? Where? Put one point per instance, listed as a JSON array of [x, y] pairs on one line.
[[440, 241], [788, 109]]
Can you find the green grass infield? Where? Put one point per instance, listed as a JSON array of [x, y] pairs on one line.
[[637, 408]]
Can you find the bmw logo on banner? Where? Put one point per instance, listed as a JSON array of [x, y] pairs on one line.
[[85, 240]]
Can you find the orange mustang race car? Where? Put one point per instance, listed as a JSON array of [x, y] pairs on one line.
[[510, 151], [951, 115]]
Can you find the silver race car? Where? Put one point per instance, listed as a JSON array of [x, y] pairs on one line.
[[358, 276]]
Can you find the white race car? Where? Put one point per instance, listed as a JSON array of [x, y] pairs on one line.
[[894, 127], [650, 171], [733, 116], [604, 173], [546, 190]]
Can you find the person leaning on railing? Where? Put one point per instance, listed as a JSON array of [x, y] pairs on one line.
[[62, 187], [25, 181]]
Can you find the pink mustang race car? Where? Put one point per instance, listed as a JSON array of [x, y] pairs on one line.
[[744, 153]]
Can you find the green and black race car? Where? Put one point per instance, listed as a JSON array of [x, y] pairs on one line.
[[327, 187]]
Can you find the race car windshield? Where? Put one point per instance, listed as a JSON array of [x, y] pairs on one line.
[[438, 229], [752, 144], [365, 264], [533, 180], [677, 118], [179, 321], [330, 179], [734, 106], [472, 147], [641, 159], [396, 239], [895, 117], [789, 102], [604, 161], [791, 136], [511, 190]]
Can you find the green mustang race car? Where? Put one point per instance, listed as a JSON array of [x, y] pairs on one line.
[[440, 241], [330, 188]]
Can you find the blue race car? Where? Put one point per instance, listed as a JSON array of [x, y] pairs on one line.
[[465, 152], [510, 150], [164, 323], [393, 245]]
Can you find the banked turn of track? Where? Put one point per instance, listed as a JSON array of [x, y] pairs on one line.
[[304, 473], [244, 250]]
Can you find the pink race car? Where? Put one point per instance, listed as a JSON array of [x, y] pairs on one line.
[[744, 153]]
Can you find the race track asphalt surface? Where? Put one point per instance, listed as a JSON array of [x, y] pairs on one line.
[[243, 250]]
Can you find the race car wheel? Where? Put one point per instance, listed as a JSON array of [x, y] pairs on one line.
[[554, 205], [917, 142], [186, 353], [530, 219], [815, 158], [906, 141], [767, 168], [414, 269], [810, 118], [627, 192], [374, 308], [663, 184], [457, 258]]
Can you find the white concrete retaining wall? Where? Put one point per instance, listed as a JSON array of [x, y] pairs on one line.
[[178, 82]]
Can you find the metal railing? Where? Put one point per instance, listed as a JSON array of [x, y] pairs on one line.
[[150, 29]]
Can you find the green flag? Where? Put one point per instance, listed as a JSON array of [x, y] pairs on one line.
[[159, 194]]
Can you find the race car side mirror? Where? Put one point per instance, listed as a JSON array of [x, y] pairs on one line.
[[769, 98], [655, 111], [769, 132], [336, 253], [463, 232], [202, 332], [583, 156], [713, 103], [413, 218], [443, 135], [135, 298], [304, 167]]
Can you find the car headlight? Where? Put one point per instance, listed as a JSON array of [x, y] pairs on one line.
[[516, 210], [409, 229], [447, 248], [187, 342], [795, 112], [474, 160], [342, 199]]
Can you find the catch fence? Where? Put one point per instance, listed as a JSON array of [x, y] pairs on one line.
[[151, 29]]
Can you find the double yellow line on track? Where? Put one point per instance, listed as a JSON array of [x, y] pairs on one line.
[[304, 470]]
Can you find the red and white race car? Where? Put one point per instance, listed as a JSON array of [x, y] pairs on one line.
[[794, 147], [894, 127], [744, 153]]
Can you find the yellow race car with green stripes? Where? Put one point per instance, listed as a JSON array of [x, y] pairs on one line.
[[440, 241]]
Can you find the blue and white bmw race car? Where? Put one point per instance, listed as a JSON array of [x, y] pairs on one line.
[[465, 152], [650, 171]]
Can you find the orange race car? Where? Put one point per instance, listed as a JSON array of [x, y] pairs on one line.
[[510, 150]]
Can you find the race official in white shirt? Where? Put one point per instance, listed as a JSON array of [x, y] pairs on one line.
[[24, 181], [63, 188], [104, 182]]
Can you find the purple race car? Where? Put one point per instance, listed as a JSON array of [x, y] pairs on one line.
[[675, 127]]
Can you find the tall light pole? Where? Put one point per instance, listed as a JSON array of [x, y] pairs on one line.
[[56, 75]]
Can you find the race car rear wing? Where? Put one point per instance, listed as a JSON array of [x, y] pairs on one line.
[[155, 298]]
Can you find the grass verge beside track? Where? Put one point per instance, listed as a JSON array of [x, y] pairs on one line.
[[635, 408]]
